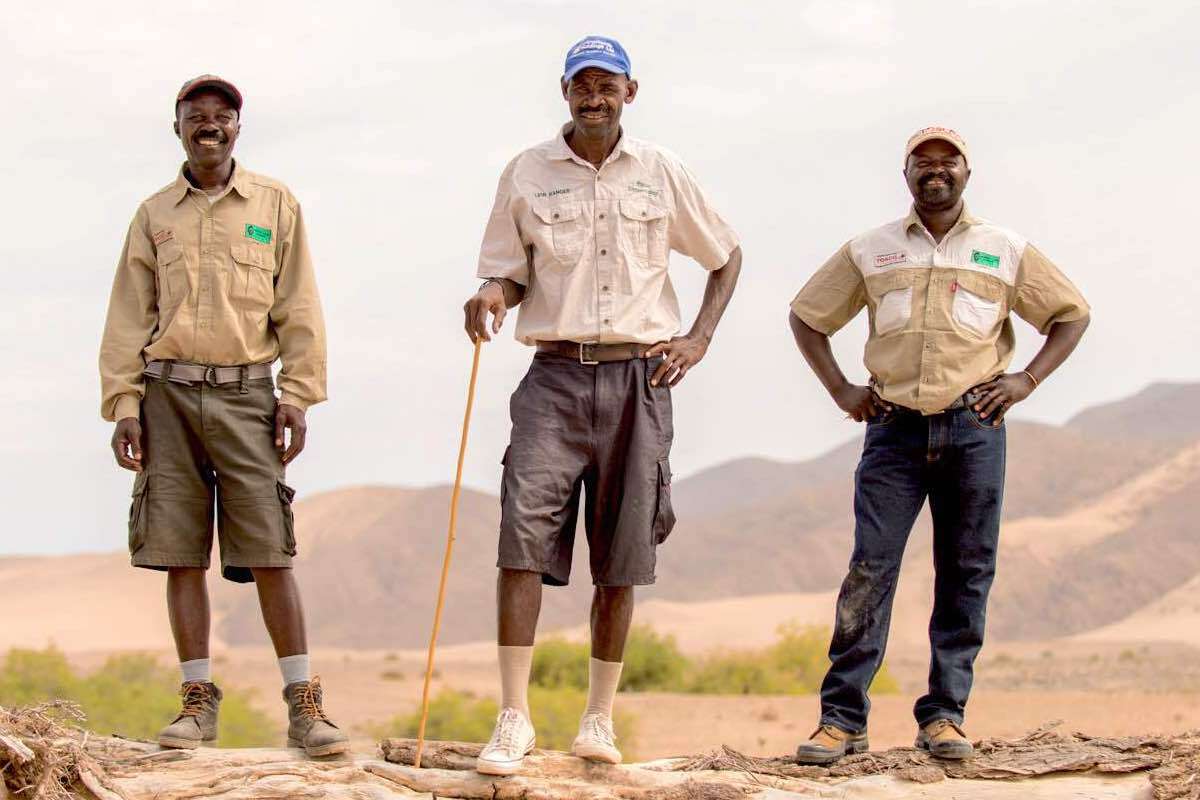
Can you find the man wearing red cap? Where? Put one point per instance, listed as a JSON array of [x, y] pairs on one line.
[[938, 286], [214, 284], [579, 236]]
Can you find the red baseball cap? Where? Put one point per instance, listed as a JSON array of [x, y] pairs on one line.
[[210, 82]]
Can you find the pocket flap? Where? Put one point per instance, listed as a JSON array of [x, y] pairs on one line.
[[879, 285], [168, 252], [985, 286], [286, 493], [664, 472], [552, 215], [640, 209], [140, 483], [249, 255]]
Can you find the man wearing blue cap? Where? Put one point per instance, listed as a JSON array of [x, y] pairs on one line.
[[579, 237]]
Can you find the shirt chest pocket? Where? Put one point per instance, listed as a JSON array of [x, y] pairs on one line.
[[644, 231], [561, 232], [978, 302], [172, 274], [892, 294], [252, 280]]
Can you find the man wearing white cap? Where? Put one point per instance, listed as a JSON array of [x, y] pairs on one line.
[[938, 286], [579, 236]]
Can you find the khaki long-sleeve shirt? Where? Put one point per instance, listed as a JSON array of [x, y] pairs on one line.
[[223, 281], [591, 245], [939, 312]]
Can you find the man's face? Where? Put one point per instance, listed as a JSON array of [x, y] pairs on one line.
[[596, 99], [936, 174], [208, 126]]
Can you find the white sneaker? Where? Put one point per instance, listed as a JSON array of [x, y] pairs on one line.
[[596, 740], [511, 741]]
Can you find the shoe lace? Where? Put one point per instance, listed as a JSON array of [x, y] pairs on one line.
[[599, 727], [196, 698], [508, 727], [308, 699], [939, 726]]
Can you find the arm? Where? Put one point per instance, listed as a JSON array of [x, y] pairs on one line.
[[1000, 394], [132, 318], [859, 402], [300, 329], [495, 296], [684, 352]]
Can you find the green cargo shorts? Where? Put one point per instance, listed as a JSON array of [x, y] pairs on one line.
[[206, 446]]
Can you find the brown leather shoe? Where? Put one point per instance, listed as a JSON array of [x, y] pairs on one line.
[[828, 743], [197, 722], [945, 739], [308, 727]]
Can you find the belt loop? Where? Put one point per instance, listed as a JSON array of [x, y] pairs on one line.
[[166, 372], [245, 389]]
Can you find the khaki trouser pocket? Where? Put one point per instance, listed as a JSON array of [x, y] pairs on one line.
[[664, 514], [138, 512], [286, 495]]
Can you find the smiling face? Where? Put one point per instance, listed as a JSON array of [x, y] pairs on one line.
[[208, 125], [936, 174], [596, 99]]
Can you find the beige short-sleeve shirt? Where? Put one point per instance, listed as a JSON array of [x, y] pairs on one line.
[[591, 246], [939, 312], [224, 281]]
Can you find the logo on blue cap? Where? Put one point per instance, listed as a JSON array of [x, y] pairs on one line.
[[596, 51]]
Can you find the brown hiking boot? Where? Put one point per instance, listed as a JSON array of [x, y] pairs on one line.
[[197, 722], [308, 727], [945, 739], [828, 743]]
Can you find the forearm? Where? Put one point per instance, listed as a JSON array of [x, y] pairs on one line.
[[717, 293], [514, 292], [818, 353], [1060, 342]]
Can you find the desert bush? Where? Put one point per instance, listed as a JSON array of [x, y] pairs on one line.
[[461, 716], [652, 662], [130, 694]]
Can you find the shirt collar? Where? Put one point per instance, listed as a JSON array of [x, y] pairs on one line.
[[965, 217], [238, 182], [563, 152]]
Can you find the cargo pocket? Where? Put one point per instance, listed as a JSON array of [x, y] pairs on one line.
[[252, 282], [504, 475], [286, 494], [664, 514], [893, 296], [138, 513], [563, 229], [643, 228], [978, 301], [172, 275]]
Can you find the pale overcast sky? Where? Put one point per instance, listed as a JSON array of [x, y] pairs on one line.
[[391, 123]]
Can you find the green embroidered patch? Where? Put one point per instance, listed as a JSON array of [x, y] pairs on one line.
[[985, 259], [258, 234]]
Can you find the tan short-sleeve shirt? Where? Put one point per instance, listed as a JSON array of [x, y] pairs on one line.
[[224, 281], [939, 312], [591, 246]]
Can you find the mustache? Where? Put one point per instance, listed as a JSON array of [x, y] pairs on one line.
[[944, 176], [209, 133], [593, 109]]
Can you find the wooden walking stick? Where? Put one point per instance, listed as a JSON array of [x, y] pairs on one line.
[[437, 613]]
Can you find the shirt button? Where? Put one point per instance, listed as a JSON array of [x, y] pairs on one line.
[[606, 320], [604, 288], [556, 216], [601, 215], [603, 252]]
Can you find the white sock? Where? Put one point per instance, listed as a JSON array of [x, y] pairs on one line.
[[198, 669], [603, 679], [515, 663], [294, 668]]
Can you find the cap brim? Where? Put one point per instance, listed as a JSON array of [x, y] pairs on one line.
[[962, 150], [224, 87], [582, 65]]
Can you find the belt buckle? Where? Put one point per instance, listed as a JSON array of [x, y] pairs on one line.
[[210, 376], [586, 361]]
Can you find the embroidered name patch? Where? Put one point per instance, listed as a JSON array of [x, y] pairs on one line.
[[985, 259], [887, 259], [164, 235], [258, 234]]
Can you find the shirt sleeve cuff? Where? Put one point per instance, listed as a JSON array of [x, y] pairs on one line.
[[720, 259], [286, 399], [811, 321], [128, 405]]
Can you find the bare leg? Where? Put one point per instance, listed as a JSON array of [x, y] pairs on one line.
[[187, 608], [279, 598], [518, 604], [612, 614]]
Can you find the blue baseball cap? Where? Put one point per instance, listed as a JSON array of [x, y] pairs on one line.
[[596, 51]]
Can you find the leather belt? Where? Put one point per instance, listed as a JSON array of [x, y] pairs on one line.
[[186, 372], [595, 352]]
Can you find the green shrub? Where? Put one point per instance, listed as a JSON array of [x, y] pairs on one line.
[[130, 694], [559, 664], [462, 717], [652, 662]]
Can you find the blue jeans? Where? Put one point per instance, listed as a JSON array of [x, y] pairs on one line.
[[956, 460]]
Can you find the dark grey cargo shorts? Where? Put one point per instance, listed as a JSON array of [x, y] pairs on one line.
[[600, 431]]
